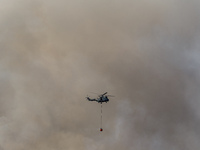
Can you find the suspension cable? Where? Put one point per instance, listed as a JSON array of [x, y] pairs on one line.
[[101, 127]]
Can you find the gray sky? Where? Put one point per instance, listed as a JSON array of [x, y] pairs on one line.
[[54, 53]]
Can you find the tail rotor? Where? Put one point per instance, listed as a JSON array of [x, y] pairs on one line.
[[87, 97]]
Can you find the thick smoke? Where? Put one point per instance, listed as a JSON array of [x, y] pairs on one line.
[[54, 53]]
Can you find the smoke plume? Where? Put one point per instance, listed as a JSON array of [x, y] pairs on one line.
[[54, 53]]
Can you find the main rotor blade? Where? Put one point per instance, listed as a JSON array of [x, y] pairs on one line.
[[104, 93]]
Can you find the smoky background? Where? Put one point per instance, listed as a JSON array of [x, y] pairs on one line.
[[54, 53]]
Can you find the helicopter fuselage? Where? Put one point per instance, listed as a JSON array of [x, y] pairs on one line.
[[102, 99]]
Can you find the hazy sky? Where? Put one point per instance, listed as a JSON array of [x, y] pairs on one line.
[[54, 53]]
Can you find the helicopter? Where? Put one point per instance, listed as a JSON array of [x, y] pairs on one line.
[[102, 98]]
